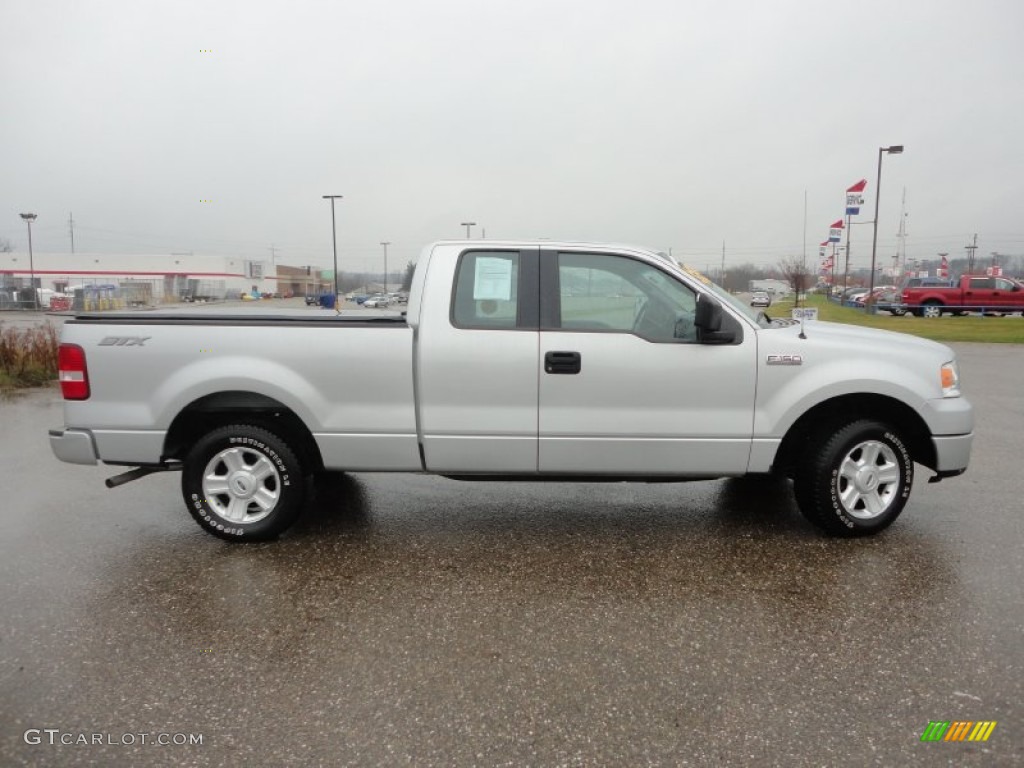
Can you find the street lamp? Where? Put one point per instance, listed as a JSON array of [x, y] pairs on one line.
[[29, 218], [334, 240], [467, 225], [385, 244], [896, 149]]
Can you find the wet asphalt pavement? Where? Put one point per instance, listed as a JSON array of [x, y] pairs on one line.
[[413, 620]]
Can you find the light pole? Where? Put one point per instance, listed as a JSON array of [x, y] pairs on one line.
[[385, 244], [29, 218], [896, 149], [334, 240], [467, 225]]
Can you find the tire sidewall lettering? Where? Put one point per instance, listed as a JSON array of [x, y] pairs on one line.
[[286, 465]]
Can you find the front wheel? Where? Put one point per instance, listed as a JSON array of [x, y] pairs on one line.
[[243, 483], [854, 481]]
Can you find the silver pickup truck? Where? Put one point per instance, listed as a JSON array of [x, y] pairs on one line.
[[514, 360]]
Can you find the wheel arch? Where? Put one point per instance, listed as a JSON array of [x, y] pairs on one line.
[[240, 407], [844, 409]]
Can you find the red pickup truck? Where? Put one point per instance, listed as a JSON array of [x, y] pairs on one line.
[[974, 293]]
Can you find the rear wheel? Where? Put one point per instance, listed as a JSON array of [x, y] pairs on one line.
[[854, 480], [243, 483], [931, 309]]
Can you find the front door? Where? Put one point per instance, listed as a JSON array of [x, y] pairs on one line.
[[625, 387]]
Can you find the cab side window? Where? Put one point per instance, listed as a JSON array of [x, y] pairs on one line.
[[601, 292], [486, 290]]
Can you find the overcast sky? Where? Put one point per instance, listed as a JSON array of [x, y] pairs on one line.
[[675, 124]]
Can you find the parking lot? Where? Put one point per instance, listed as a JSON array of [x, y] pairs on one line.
[[412, 620]]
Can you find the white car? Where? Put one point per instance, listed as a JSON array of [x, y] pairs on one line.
[[376, 302], [761, 299]]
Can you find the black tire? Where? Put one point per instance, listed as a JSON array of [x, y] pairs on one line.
[[261, 493], [932, 309], [854, 479]]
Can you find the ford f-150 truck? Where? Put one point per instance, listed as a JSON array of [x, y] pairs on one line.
[[513, 361], [973, 293]]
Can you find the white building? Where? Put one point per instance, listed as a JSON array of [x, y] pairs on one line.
[[138, 278]]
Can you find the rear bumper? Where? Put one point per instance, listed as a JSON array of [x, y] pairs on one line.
[[75, 446]]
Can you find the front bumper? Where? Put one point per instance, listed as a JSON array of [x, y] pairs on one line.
[[952, 453], [75, 446]]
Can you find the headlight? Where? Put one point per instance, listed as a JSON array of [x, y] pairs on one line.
[[950, 376]]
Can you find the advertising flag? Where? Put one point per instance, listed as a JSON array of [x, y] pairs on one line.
[[835, 232], [855, 198], [944, 268]]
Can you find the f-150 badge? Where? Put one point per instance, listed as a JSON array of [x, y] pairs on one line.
[[785, 360]]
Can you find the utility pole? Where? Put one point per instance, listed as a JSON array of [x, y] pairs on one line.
[[468, 225], [71, 228], [273, 255], [970, 254], [334, 243], [386, 244], [803, 256], [722, 276], [899, 265]]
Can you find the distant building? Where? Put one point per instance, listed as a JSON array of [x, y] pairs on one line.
[[153, 278]]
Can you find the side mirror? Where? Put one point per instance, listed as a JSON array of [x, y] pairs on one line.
[[708, 319]]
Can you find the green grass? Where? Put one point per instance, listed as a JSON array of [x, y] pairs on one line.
[[1003, 330]]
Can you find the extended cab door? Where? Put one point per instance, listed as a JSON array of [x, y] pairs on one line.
[[980, 292], [625, 387], [476, 361]]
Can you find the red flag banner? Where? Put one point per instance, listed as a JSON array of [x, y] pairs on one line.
[[859, 186]]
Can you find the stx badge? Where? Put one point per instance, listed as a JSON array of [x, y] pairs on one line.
[[123, 341]]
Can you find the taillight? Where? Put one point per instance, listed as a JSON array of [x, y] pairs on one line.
[[73, 375]]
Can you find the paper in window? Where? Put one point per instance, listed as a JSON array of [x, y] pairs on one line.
[[493, 279]]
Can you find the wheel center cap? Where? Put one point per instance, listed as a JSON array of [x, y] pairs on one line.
[[867, 480], [241, 484]]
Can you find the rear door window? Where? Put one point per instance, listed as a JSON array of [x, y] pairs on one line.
[[486, 290]]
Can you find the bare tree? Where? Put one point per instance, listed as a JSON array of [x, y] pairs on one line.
[[407, 277], [794, 271], [5, 245]]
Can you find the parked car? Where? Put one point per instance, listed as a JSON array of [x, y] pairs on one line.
[[890, 301], [761, 299], [376, 302]]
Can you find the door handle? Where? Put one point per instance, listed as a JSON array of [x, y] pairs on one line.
[[562, 362]]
